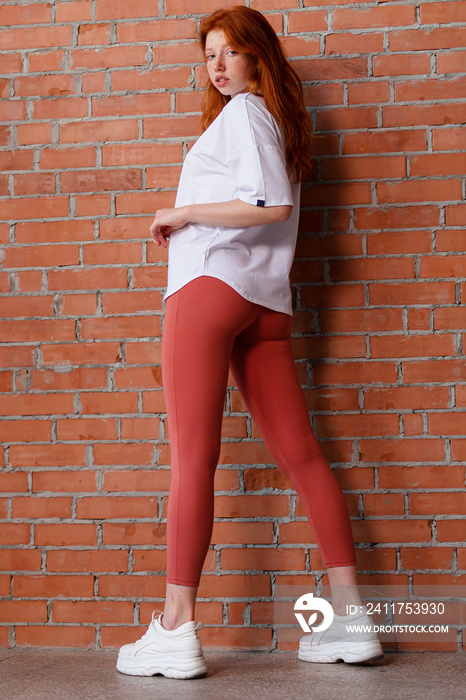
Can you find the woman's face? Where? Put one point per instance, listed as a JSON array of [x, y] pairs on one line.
[[228, 70]]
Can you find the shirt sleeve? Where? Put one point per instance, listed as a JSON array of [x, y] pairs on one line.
[[255, 156]]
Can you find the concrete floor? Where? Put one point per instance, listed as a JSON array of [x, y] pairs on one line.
[[44, 674]]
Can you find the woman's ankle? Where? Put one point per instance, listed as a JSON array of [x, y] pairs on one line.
[[172, 623]]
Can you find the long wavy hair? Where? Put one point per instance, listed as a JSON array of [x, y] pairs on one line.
[[274, 78]]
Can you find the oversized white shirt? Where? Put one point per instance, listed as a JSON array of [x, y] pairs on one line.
[[239, 156]]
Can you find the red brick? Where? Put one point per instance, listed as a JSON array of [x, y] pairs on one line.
[[450, 240], [34, 183], [414, 293], [430, 89], [87, 560], [387, 243], [422, 115], [137, 480], [437, 266], [132, 302], [436, 503], [109, 57], [93, 82], [437, 370], [130, 104], [405, 64], [99, 131], [63, 108], [87, 429], [35, 38], [381, 16], [18, 611], [77, 304], [439, 164], [93, 279], [305, 21], [35, 13], [364, 168], [348, 43], [381, 399], [379, 504], [372, 269], [416, 558], [40, 508], [155, 79], [16, 356], [116, 507], [332, 69], [34, 133], [97, 181], [79, 10], [80, 354], [111, 403], [93, 205], [394, 477], [55, 635], [447, 423], [413, 346], [25, 430], [369, 93], [426, 40], [161, 30], [15, 534], [33, 208], [91, 611], [16, 160], [419, 191], [442, 12], [356, 425], [134, 154], [57, 158], [41, 256], [449, 139], [451, 62], [24, 307], [29, 331], [47, 455], [92, 34], [134, 533], [357, 321], [112, 253], [47, 85], [455, 215], [346, 118], [384, 142], [65, 534], [20, 560], [120, 9], [63, 481], [396, 217]]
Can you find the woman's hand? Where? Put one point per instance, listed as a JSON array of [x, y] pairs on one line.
[[166, 221]]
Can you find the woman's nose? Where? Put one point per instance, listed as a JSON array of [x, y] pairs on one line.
[[219, 63]]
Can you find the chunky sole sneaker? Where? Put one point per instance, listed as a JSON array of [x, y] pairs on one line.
[[172, 653], [337, 643]]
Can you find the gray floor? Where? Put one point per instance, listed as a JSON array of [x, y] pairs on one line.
[[27, 674]]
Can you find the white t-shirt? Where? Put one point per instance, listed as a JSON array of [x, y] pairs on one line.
[[240, 155]]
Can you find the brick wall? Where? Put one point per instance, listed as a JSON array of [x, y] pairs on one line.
[[99, 103]]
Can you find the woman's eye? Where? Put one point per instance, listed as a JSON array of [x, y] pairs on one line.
[[210, 56], [232, 53]]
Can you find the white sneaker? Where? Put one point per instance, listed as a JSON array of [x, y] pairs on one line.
[[337, 643], [173, 653]]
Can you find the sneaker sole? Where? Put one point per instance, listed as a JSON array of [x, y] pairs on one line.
[[349, 652], [168, 665]]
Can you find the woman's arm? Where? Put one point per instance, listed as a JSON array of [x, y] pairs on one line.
[[234, 213]]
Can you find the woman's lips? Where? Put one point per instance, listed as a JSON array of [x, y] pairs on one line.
[[221, 81]]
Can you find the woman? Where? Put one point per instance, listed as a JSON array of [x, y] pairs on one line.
[[232, 240]]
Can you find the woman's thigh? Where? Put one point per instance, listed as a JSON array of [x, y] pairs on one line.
[[201, 321]]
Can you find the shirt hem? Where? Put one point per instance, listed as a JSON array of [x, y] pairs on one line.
[[236, 287]]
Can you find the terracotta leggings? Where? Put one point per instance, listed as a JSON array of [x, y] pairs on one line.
[[207, 326]]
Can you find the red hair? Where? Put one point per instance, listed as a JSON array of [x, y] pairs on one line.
[[274, 78]]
